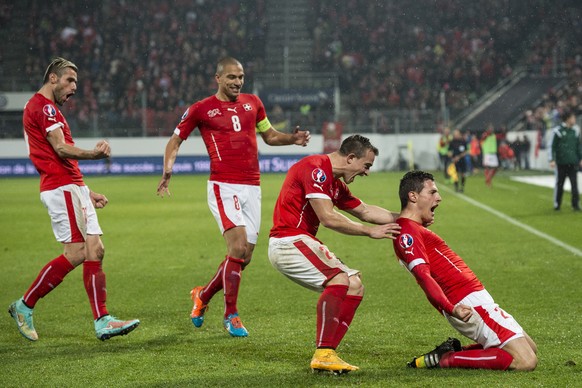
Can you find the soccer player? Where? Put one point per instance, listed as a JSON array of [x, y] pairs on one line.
[[228, 122], [70, 203], [454, 290], [312, 188]]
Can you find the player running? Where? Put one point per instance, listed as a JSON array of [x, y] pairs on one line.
[[228, 122]]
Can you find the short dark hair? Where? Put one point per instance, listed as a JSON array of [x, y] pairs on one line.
[[58, 66], [224, 62], [412, 181], [357, 145]]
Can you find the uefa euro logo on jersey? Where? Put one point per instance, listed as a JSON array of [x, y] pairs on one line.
[[318, 175], [49, 110], [406, 241]]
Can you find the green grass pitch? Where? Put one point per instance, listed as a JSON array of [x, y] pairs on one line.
[[158, 249]]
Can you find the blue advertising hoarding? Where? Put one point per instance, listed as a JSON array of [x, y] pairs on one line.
[[145, 165]]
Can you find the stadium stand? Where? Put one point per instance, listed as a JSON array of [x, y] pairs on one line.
[[390, 55]]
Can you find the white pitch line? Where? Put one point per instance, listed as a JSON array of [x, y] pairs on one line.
[[515, 222]]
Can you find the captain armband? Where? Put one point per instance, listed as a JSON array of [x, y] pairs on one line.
[[263, 125]]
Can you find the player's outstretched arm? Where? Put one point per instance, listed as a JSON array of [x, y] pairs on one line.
[[373, 214], [170, 155], [273, 137], [332, 219]]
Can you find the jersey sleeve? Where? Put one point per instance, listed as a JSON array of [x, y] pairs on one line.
[[263, 123], [315, 182], [49, 119], [411, 251], [345, 199], [434, 293], [187, 123]]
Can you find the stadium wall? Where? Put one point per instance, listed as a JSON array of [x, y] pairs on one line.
[[141, 156]]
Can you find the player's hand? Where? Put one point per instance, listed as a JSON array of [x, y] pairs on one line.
[[462, 312], [99, 200], [163, 186], [301, 137], [385, 231], [102, 150]]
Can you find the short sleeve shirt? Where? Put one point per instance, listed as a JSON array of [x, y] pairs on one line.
[[228, 130], [309, 178], [417, 245], [40, 117]]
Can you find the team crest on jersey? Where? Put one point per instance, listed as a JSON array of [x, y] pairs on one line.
[[49, 110], [247, 107], [214, 112], [318, 175], [406, 241]]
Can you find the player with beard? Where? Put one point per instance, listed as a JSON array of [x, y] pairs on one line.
[[70, 203]]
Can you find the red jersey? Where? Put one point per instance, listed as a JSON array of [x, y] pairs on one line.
[[229, 133], [311, 177], [417, 245], [40, 117]]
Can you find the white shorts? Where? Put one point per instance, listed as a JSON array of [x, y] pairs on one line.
[[236, 205], [72, 213], [306, 261], [489, 325], [490, 160]]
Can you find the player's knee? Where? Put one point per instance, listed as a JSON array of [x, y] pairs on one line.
[[356, 287], [75, 253], [339, 279], [526, 364], [99, 252], [238, 250]]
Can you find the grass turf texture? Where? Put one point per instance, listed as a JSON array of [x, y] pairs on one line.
[[158, 249]]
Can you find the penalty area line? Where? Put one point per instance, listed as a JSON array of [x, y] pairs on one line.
[[515, 222]]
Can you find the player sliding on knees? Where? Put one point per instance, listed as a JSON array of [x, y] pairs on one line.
[[454, 290]]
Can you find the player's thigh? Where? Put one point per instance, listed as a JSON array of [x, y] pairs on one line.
[[67, 210], [225, 204], [306, 261], [490, 325], [252, 212]]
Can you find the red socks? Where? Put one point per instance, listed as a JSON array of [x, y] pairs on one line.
[[214, 285], [346, 315], [328, 315], [94, 280], [49, 277], [492, 358], [231, 282]]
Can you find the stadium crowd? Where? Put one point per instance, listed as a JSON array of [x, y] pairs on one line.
[[388, 55], [160, 54]]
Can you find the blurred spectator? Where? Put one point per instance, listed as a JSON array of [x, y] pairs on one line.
[[169, 58], [506, 156]]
